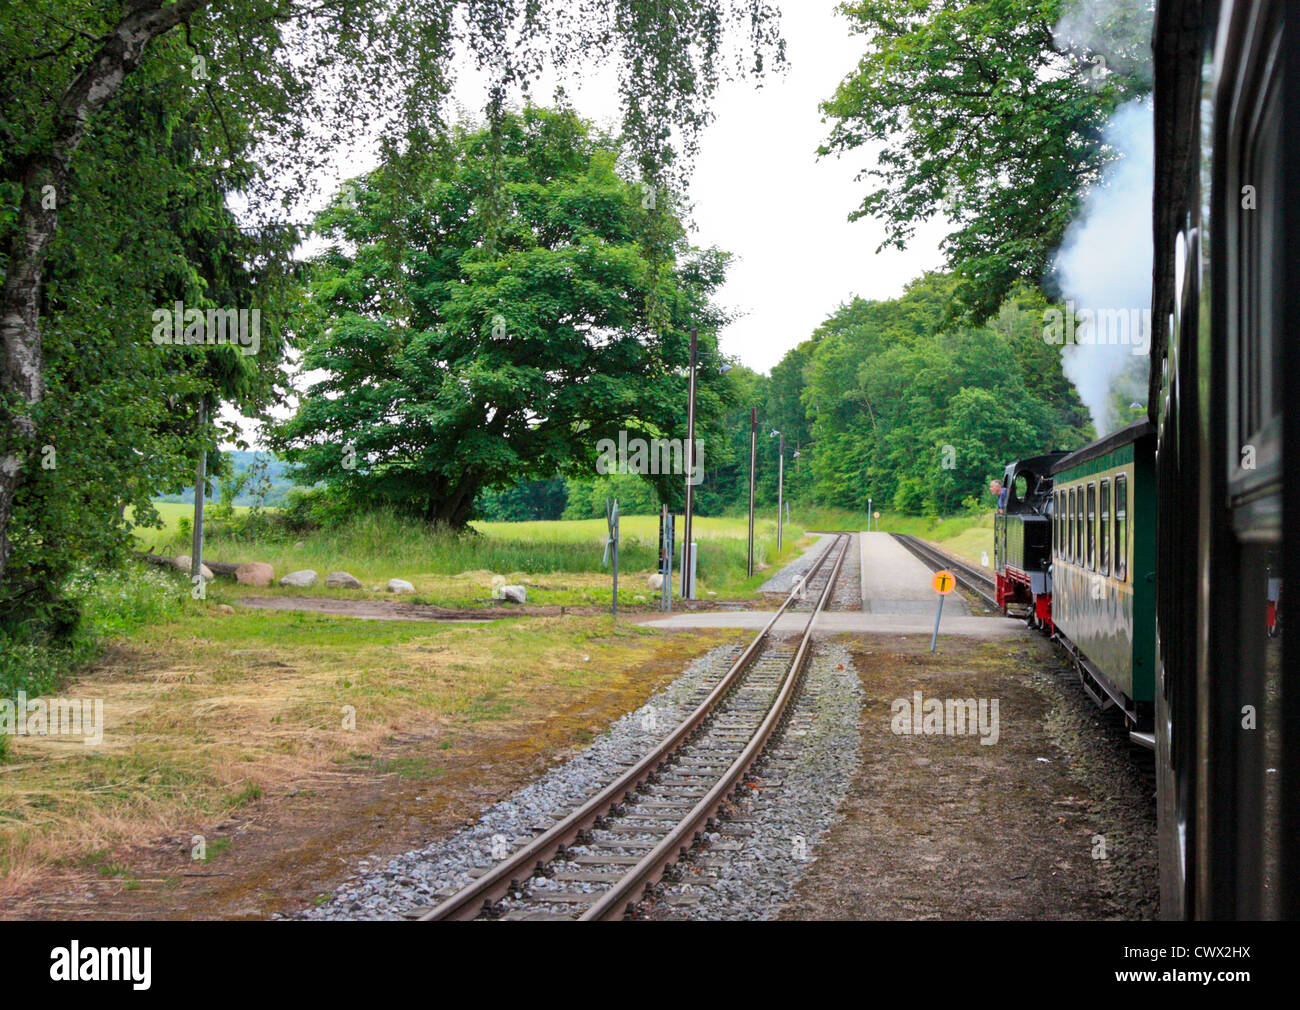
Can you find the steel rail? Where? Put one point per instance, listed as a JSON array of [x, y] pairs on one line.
[[968, 575], [519, 865], [627, 891]]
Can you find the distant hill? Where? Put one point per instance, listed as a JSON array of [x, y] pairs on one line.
[[240, 461]]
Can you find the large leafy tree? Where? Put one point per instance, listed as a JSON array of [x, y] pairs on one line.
[[488, 314], [990, 112], [290, 78]]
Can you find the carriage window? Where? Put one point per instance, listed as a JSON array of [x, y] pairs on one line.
[[1056, 513], [1121, 527], [1079, 520], [1069, 527], [1103, 533], [1092, 526]]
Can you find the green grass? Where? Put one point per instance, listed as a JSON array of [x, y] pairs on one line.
[[560, 562], [113, 603]]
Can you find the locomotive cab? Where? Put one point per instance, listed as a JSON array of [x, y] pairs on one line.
[[1022, 538]]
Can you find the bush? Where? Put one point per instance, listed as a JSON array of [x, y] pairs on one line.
[[109, 603]]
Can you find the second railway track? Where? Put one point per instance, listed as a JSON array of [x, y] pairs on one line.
[[967, 575], [637, 826]]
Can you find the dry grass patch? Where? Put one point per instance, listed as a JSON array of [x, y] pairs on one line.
[[205, 715]]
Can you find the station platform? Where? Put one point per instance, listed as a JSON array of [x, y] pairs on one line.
[[894, 581]]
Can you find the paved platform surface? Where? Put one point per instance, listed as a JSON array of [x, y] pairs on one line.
[[840, 622], [895, 581]]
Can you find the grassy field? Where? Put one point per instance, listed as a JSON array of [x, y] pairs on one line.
[[558, 562], [207, 712]]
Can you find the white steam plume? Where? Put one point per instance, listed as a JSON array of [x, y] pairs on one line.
[[1104, 268]]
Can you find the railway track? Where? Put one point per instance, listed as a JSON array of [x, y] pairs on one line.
[[637, 826], [967, 575]]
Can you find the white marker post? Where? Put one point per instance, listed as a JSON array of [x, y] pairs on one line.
[[944, 582]]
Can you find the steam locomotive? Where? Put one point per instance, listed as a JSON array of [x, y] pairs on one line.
[[1157, 554]]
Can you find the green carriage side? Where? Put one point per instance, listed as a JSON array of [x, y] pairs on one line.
[[1103, 566]]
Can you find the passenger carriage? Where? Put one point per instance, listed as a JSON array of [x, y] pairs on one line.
[[1103, 568]]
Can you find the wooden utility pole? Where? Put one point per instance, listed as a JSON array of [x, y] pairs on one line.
[[688, 569], [753, 459], [200, 482]]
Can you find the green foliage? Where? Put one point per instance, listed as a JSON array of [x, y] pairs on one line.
[[918, 418], [986, 116], [36, 657], [586, 496], [145, 217], [118, 421], [534, 499], [484, 317]]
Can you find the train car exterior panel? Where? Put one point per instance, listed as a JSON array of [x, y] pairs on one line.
[[1103, 574]]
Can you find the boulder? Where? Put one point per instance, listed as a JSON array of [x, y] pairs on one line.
[[254, 573], [400, 586], [515, 594], [300, 580], [183, 563], [656, 581], [341, 580]]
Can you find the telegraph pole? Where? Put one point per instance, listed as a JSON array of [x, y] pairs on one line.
[[688, 569], [780, 489], [200, 480], [753, 459]]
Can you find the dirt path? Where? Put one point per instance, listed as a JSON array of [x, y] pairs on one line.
[[393, 610], [945, 826]]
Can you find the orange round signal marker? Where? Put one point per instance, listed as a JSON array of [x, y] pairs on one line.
[[944, 582]]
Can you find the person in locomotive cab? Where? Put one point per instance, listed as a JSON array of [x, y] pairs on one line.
[[1000, 493]]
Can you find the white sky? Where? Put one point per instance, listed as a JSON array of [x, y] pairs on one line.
[[759, 191]]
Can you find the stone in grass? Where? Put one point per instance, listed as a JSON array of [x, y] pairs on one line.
[[341, 580], [400, 586], [183, 563], [300, 580], [254, 573], [515, 594]]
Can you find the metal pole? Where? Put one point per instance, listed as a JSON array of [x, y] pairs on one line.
[[688, 582], [669, 530], [665, 558], [868, 515], [780, 491], [753, 459], [200, 481], [613, 533], [938, 614]]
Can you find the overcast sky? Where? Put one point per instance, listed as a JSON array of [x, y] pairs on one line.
[[761, 193]]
